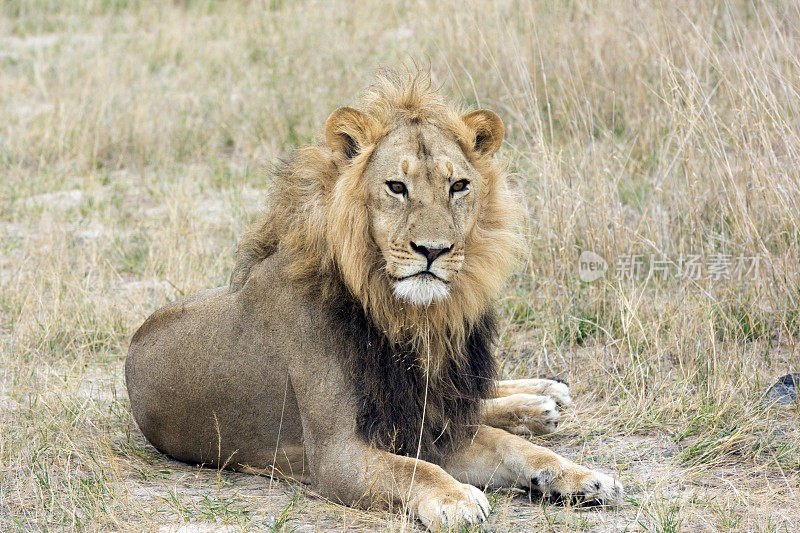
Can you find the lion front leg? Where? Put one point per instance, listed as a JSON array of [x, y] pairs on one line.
[[357, 474], [526, 406], [498, 459], [345, 467], [433, 495]]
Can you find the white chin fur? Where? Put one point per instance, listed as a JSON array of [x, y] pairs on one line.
[[421, 290]]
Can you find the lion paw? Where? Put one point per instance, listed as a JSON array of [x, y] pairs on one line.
[[528, 413], [556, 390], [591, 487], [466, 506]]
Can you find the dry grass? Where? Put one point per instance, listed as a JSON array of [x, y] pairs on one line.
[[131, 140]]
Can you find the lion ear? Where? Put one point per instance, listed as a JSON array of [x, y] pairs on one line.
[[347, 131], [488, 128]]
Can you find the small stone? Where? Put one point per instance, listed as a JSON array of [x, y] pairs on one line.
[[784, 391]]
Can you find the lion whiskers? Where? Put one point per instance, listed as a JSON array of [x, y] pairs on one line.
[[421, 290]]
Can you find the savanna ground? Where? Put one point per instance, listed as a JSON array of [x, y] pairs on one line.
[[133, 137]]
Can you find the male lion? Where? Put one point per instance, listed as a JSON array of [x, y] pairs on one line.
[[352, 348]]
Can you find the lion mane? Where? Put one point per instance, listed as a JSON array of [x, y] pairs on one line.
[[419, 372]]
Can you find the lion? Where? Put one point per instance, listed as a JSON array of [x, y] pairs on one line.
[[352, 348]]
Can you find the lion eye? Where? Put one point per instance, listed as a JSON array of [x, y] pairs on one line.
[[460, 185], [397, 187]]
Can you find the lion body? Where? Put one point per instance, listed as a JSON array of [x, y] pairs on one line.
[[352, 348], [210, 378]]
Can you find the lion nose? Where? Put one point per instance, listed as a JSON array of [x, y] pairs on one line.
[[429, 252]]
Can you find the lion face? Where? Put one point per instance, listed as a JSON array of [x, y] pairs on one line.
[[421, 191], [423, 202]]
